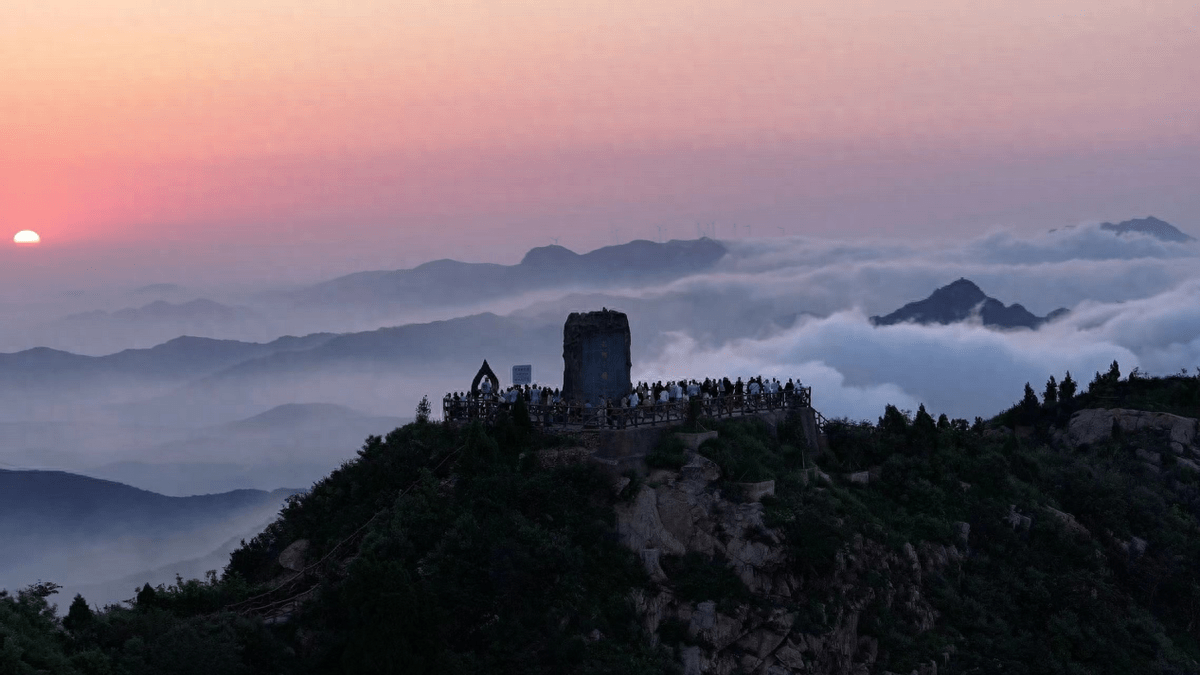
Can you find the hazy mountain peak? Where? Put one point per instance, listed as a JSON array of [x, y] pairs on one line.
[[292, 414], [960, 292], [544, 256], [1159, 229], [959, 301]]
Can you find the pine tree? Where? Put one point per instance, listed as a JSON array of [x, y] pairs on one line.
[[893, 421], [1030, 400], [1050, 396], [1066, 390], [924, 421], [1114, 373], [79, 616], [146, 597], [424, 409]]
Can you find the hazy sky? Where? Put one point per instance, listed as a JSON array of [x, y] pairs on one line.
[[157, 136]]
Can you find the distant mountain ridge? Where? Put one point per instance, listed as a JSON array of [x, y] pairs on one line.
[[71, 526], [181, 358], [451, 281], [200, 309], [961, 300], [35, 499], [1159, 229]]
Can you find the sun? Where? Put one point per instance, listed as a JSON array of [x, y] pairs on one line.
[[26, 237]]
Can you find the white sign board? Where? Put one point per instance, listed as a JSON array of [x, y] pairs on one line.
[[522, 375]]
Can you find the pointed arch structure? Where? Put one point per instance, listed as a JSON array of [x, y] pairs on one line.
[[484, 371]]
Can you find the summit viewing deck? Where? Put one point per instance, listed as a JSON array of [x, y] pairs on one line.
[[486, 407]]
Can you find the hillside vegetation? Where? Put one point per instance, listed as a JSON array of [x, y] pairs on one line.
[[911, 543]]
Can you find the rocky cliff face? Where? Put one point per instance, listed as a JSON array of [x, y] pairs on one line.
[[786, 622]]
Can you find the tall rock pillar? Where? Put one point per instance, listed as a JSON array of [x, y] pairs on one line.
[[596, 358]]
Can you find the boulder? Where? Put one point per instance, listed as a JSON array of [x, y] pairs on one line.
[[650, 562], [294, 556], [693, 661], [1095, 425], [756, 491], [790, 656], [1068, 520], [700, 468], [1152, 457], [1088, 427], [1016, 520], [693, 441]]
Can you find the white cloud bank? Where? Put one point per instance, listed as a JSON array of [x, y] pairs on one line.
[[1133, 299]]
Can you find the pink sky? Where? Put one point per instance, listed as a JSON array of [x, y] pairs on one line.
[[390, 132]]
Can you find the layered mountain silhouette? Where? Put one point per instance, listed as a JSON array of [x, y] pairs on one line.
[[1159, 229], [200, 309], [180, 358], [293, 444], [99, 331], [961, 301], [71, 525], [453, 282]]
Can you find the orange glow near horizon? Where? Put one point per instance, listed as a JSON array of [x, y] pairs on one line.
[[125, 114]]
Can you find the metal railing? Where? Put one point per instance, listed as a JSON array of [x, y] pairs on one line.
[[563, 415]]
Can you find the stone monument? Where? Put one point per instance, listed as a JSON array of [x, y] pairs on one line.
[[596, 360]]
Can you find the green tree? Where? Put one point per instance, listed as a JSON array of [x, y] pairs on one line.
[[1066, 390], [1050, 396], [79, 615], [893, 421], [146, 597], [424, 409], [924, 421], [1030, 400]]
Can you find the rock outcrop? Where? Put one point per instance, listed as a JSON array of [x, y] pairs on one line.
[[295, 556], [676, 513], [1096, 425]]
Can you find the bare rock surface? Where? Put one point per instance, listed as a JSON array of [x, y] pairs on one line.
[[676, 513], [294, 557], [1096, 425]]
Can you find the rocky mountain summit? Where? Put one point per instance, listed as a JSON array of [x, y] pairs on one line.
[[1159, 229], [960, 301]]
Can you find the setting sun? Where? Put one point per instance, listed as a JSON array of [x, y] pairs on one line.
[[26, 237]]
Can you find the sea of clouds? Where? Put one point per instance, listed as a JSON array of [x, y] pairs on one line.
[[1132, 298]]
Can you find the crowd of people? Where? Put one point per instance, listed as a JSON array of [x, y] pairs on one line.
[[718, 395]]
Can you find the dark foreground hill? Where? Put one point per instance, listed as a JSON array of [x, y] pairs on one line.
[[1058, 537], [959, 301]]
